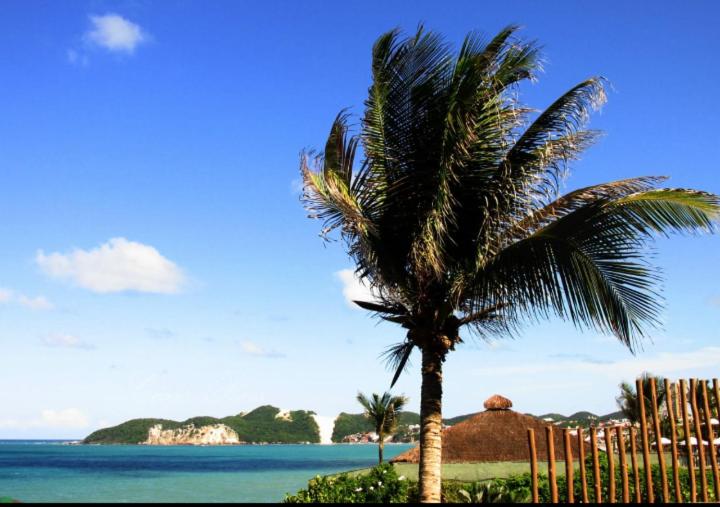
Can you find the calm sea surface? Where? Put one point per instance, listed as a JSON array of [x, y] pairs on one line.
[[49, 471]]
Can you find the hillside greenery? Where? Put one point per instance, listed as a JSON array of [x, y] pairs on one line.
[[349, 424], [258, 426]]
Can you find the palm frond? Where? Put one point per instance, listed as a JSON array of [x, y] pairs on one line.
[[397, 357]]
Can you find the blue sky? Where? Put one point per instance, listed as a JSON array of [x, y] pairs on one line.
[[156, 260]]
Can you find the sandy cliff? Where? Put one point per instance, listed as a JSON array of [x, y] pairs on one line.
[[216, 434]]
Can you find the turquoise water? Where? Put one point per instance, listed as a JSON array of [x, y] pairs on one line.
[[45, 471]]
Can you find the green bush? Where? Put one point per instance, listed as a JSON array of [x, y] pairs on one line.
[[380, 485]]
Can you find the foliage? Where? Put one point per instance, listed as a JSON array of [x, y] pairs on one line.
[[380, 485], [490, 492], [349, 424], [129, 432], [259, 425], [524, 481], [628, 401], [454, 217], [382, 411]]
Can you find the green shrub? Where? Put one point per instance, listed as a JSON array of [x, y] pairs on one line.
[[380, 485]]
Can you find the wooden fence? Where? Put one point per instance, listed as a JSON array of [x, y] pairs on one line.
[[687, 416]]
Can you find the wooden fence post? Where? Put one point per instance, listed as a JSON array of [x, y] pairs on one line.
[[636, 470], [658, 441], [569, 476], [711, 438], [670, 402], [596, 465], [611, 463], [533, 465], [623, 464], [645, 442], [688, 440], [552, 477], [581, 458], [698, 436]]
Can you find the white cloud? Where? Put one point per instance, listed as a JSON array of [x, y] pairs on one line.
[[664, 363], [36, 303], [77, 58], [160, 333], [115, 33], [6, 295], [49, 418], [353, 288], [66, 341], [116, 266], [255, 350]]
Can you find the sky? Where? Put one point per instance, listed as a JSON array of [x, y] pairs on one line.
[[156, 260]]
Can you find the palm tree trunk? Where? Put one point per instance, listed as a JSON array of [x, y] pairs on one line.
[[431, 427], [381, 444]]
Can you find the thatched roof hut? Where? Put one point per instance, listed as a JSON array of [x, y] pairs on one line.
[[497, 434]]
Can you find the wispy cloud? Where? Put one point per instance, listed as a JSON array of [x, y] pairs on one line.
[[115, 33], [663, 363], [161, 333], [50, 418], [353, 288], [254, 349], [116, 266], [584, 358], [77, 58], [8, 296], [66, 341], [36, 303]]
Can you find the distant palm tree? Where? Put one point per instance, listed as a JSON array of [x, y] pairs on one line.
[[383, 412], [454, 217], [629, 403]]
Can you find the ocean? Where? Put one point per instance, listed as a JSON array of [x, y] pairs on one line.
[[52, 471]]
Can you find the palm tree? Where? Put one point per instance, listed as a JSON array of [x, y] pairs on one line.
[[383, 413], [628, 401], [454, 218]]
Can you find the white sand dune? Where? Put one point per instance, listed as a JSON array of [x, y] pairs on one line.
[[326, 425]]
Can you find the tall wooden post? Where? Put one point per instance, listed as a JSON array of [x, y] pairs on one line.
[[711, 438], [636, 470], [623, 465], [552, 476], [611, 463], [533, 465], [645, 442], [688, 440], [569, 478], [671, 405], [699, 437], [596, 465], [658, 441], [583, 473]]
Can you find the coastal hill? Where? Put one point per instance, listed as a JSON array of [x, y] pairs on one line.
[[266, 424]]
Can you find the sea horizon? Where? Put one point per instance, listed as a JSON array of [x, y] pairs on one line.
[[50, 470]]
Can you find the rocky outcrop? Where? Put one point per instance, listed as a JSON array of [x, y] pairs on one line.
[[215, 434]]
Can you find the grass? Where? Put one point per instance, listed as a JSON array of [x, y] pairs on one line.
[[474, 472], [470, 472]]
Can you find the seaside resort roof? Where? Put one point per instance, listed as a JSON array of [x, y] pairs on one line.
[[497, 434]]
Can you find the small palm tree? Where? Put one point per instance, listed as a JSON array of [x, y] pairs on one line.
[[628, 401], [383, 412], [454, 216]]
